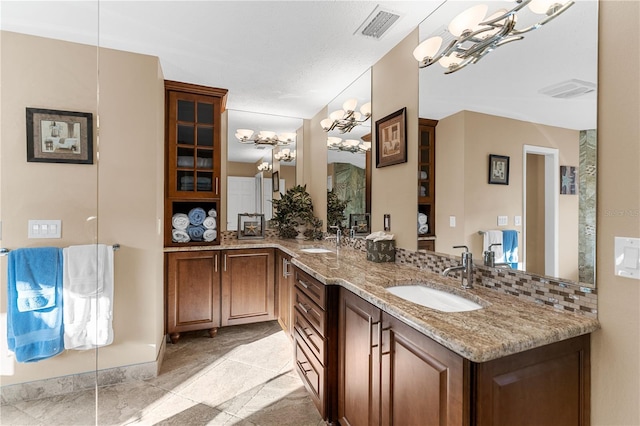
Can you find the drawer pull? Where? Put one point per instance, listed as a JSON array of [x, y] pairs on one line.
[[306, 311], [304, 370], [303, 284]]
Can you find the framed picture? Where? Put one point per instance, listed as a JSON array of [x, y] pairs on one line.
[[568, 178], [59, 136], [498, 169], [391, 139], [275, 181], [360, 223], [250, 226]]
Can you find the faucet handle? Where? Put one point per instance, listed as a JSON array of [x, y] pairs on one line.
[[466, 249]]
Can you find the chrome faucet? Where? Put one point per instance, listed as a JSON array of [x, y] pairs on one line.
[[338, 234], [466, 267], [352, 232], [489, 258]]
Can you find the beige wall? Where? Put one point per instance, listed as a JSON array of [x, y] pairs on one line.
[[288, 173], [394, 85], [463, 144], [315, 165], [615, 356], [241, 169], [123, 190]]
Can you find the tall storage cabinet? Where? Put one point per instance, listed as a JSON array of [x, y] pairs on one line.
[[192, 180], [192, 161], [427, 182]]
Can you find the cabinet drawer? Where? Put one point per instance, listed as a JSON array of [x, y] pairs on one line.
[[311, 287], [311, 311], [312, 374], [317, 344]]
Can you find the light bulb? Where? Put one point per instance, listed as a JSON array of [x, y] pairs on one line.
[[351, 142], [326, 123], [541, 7], [265, 134], [244, 133], [494, 30], [357, 116], [428, 48], [468, 20], [287, 137], [366, 109], [332, 140], [366, 146], [447, 61], [350, 104], [336, 115]]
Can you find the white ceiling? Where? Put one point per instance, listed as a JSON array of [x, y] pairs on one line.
[[292, 58]]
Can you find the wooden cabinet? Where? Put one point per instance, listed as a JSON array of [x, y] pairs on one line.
[[193, 154], [427, 180], [389, 373], [314, 331], [248, 291], [284, 290], [192, 292]]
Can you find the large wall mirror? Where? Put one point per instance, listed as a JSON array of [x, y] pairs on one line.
[[251, 189], [535, 102], [349, 155]]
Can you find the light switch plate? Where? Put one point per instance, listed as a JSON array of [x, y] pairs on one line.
[[44, 229], [517, 220], [503, 220], [452, 221], [627, 257]]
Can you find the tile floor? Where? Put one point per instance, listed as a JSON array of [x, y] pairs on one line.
[[243, 376]]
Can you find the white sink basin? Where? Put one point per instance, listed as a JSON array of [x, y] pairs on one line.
[[316, 250], [434, 299]]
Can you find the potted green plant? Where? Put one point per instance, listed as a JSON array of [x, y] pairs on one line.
[[293, 211], [335, 211]]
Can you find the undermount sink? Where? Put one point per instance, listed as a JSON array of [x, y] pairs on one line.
[[315, 250], [434, 299]]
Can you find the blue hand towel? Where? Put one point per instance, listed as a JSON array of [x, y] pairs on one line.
[[510, 247], [34, 303], [197, 216]]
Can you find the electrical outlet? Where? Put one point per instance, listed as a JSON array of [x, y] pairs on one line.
[[387, 222], [517, 220], [452, 221]]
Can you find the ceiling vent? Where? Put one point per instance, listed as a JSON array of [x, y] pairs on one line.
[[569, 89], [377, 23]]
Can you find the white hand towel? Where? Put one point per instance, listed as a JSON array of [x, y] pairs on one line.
[[213, 213], [494, 237], [209, 235], [180, 236], [87, 313]]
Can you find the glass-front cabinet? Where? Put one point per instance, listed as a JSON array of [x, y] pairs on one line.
[[192, 166], [426, 184]]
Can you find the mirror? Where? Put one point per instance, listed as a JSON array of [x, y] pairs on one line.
[[495, 106], [250, 190], [347, 171]]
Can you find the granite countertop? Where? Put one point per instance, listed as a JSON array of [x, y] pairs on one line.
[[504, 326]]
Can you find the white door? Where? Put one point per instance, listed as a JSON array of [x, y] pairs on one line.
[[241, 198]]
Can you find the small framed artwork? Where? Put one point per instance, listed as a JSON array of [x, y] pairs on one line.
[[250, 226], [391, 139], [568, 179], [360, 223], [275, 181], [59, 136], [498, 169]]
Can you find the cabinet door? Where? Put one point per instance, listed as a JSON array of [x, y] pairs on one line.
[[358, 376], [284, 281], [422, 381], [193, 291], [193, 144], [248, 291]]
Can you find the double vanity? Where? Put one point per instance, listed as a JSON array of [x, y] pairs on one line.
[[370, 352]]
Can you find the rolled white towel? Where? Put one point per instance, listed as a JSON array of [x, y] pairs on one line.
[[210, 223], [180, 236], [210, 235], [213, 213], [422, 218], [180, 221], [423, 229]]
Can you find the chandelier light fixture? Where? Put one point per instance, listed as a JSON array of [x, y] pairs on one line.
[[264, 166], [265, 137], [285, 155], [350, 145], [472, 34], [347, 118]]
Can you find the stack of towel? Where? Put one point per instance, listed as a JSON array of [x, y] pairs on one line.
[[202, 184], [197, 225], [59, 299]]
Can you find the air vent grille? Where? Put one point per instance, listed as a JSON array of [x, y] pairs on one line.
[[377, 23], [569, 89]]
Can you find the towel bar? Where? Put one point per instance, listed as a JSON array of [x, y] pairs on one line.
[[484, 232], [5, 251]]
